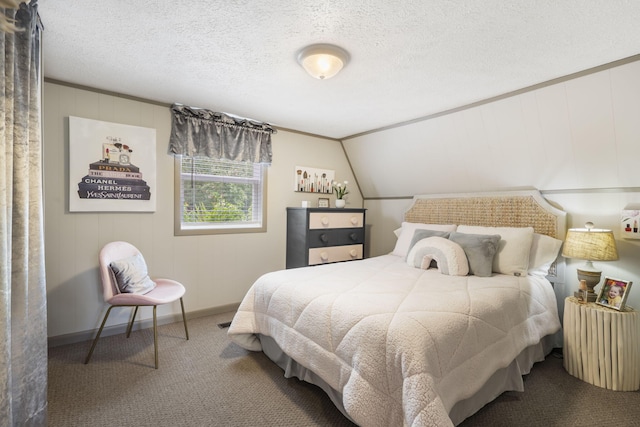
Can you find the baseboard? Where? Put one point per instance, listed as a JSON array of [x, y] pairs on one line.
[[75, 337]]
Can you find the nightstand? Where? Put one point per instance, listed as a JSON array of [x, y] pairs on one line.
[[602, 345]]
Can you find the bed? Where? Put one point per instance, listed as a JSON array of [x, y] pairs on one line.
[[430, 333]]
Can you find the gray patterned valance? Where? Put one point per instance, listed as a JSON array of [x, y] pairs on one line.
[[199, 132]]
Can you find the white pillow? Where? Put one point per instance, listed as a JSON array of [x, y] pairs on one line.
[[544, 251], [513, 249], [406, 234], [131, 275], [449, 256]]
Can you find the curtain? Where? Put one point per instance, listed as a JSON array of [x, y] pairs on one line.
[[199, 132], [23, 316]]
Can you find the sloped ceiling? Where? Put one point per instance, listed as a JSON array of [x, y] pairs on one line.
[[409, 59]]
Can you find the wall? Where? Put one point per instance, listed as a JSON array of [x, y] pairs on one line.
[[578, 134], [576, 140], [217, 270]]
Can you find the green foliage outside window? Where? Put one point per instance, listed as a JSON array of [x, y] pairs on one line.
[[217, 191]]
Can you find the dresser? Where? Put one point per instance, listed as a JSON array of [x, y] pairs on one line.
[[324, 235]]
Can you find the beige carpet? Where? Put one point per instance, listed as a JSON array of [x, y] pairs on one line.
[[209, 381]]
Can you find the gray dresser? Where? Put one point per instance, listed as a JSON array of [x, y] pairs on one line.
[[324, 235]]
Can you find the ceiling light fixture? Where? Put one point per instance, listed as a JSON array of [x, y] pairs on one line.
[[323, 61]]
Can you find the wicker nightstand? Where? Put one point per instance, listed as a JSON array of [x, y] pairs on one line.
[[602, 345]]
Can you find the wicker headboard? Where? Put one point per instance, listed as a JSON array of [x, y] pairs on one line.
[[498, 209], [526, 208]]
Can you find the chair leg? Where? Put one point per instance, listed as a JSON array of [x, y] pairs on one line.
[[184, 319], [135, 311], [155, 334], [95, 341]]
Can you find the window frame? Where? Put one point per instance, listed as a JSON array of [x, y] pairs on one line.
[[180, 230]]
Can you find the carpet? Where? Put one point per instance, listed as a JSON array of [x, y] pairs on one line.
[[210, 381]]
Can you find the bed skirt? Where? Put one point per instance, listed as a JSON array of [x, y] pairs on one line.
[[506, 379]]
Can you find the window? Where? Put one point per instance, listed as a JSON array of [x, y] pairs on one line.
[[219, 196]]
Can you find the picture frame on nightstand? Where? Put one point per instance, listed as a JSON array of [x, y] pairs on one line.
[[323, 202], [613, 293]]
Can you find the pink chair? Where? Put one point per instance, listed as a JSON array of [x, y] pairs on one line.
[[165, 291]]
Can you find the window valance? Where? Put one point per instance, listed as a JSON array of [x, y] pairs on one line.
[[200, 132]]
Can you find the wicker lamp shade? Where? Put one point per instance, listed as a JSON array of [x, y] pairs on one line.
[[590, 244]]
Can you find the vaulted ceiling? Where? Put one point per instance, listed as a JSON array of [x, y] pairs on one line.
[[409, 59]]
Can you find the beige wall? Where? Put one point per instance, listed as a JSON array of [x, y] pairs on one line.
[[217, 270]]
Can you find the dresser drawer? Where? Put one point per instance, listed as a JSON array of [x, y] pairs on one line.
[[335, 237], [323, 220], [335, 254]]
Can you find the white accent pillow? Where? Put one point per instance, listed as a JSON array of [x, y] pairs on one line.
[[406, 234], [544, 251], [513, 249], [131, 275], [449, 256]]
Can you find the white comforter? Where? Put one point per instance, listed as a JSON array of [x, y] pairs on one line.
[[401, 344]]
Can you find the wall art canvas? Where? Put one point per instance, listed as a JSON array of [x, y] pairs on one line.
[[112, 167], [631, 221], [313, 180]]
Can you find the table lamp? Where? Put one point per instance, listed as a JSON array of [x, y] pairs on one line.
[[590, 244]]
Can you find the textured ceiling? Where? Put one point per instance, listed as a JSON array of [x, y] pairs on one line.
[[409, 59]]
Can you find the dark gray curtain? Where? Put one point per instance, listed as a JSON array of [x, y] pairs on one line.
[[200, 132], [23, 310]]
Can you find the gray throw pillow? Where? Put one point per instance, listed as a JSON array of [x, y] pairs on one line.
[[423, 234], [131, 275], [480, 250]]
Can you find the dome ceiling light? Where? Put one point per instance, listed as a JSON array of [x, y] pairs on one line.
[[323, 61]]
